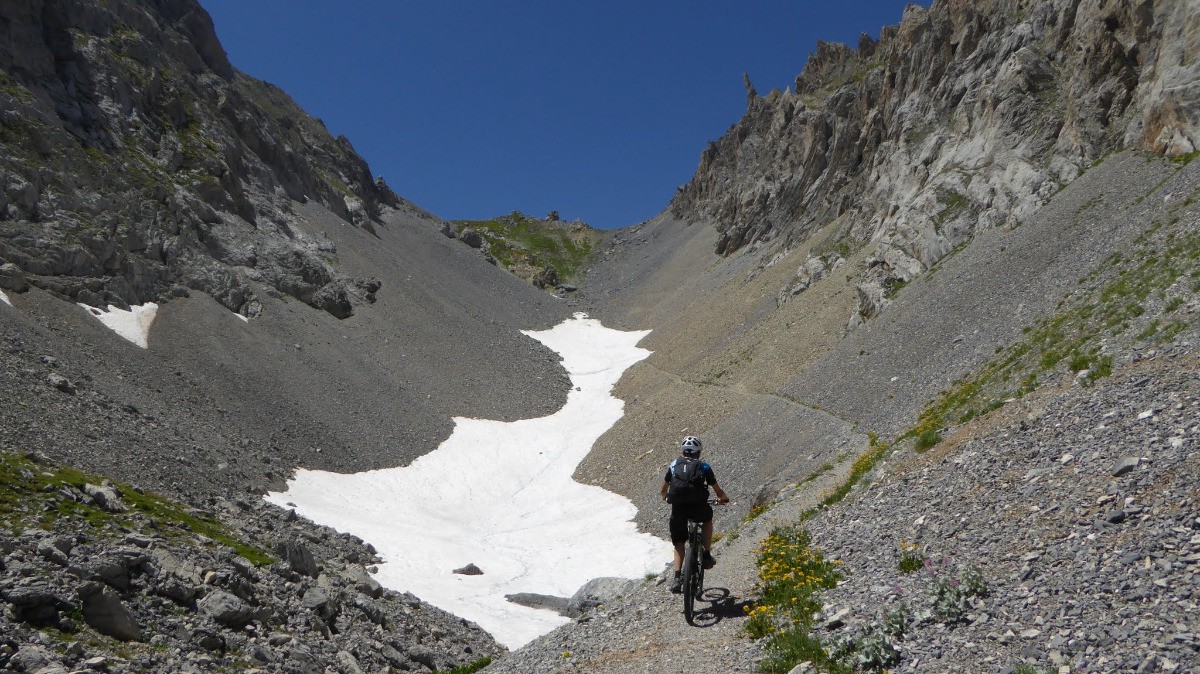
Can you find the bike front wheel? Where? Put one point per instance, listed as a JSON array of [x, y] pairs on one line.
[[691, 569]]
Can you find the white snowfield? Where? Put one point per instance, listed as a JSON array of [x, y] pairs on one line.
[[4, 298], [133, 325], [500, 495]]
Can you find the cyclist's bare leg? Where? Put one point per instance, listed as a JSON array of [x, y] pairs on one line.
[[708, 534], [678, 556]]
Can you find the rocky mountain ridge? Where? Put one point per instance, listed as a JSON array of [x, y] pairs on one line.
[[964, 117], [140, 164], [306, 316]]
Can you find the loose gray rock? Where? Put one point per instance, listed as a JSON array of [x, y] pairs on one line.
[[34, 602], [298, 558], [363, 582], [12, 278], [1125, 465], [107, 497], [105, 613], [226, 609], [34, 658], [347, 664], [472, 238], [61, 383], [469, 570], [208, 640]]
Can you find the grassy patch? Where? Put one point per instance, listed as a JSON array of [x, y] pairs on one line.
[[10, 86], [757, 511], [1070, 341], [840, 245], [825, 468], [517, 239], [858, 470], [927, 439], [29, 489], [1186, 159], [911, 559], [953, 203], [470, 668]]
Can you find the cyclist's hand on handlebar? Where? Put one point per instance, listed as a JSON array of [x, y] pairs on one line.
[[723, 500]]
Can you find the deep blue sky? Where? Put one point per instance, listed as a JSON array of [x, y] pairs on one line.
[[475, 109]]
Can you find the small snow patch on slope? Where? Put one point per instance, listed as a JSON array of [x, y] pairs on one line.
[[4, 298], [500, 495], [133, 325]]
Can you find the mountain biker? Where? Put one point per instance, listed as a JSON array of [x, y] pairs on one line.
[[697, 510]]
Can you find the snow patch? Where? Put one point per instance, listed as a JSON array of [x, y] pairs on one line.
[[500, 495], [245, 319], [133, 325], [4, 298]]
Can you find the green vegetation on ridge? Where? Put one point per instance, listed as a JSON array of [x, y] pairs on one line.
[[519, 241], [31, 490], [1141, 288]]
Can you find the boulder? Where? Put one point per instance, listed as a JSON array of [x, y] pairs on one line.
[[1125, 465], [106, 496], [332, 299], [61, 383], [12, 278], [226, 609], [363, 582], [472, 238], [315, 599], [105, 613], [298, 558], [111, 571], [546, 278], [346, 663], [591, 594], [34, 602], [469, 570], [34, 658], [208, 640]]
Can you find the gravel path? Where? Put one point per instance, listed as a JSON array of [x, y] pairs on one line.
[[645, 631]]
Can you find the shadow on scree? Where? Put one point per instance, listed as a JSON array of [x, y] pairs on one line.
[[721, 606]]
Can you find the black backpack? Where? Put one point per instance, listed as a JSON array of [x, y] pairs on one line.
[[687, 482]]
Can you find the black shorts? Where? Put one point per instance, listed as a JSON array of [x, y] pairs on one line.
[[682, 512]]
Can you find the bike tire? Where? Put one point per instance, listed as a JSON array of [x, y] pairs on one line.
[[690, 569]]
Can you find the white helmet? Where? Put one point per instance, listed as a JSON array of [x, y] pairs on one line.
[[691, 445]]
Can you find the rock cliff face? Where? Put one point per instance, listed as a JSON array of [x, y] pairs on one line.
[[138, 162], [966, 116]]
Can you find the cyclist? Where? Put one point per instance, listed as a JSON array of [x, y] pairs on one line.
[[696, 509]]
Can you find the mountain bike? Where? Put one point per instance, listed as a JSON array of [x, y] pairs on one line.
[[693, 568]]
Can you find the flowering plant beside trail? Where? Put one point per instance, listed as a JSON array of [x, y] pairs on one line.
[[791, 572]]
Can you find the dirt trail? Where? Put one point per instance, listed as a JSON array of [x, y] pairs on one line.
[[645, 632]]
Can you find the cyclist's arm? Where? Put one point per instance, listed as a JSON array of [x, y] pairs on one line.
[[722, 497], [662, 493]]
